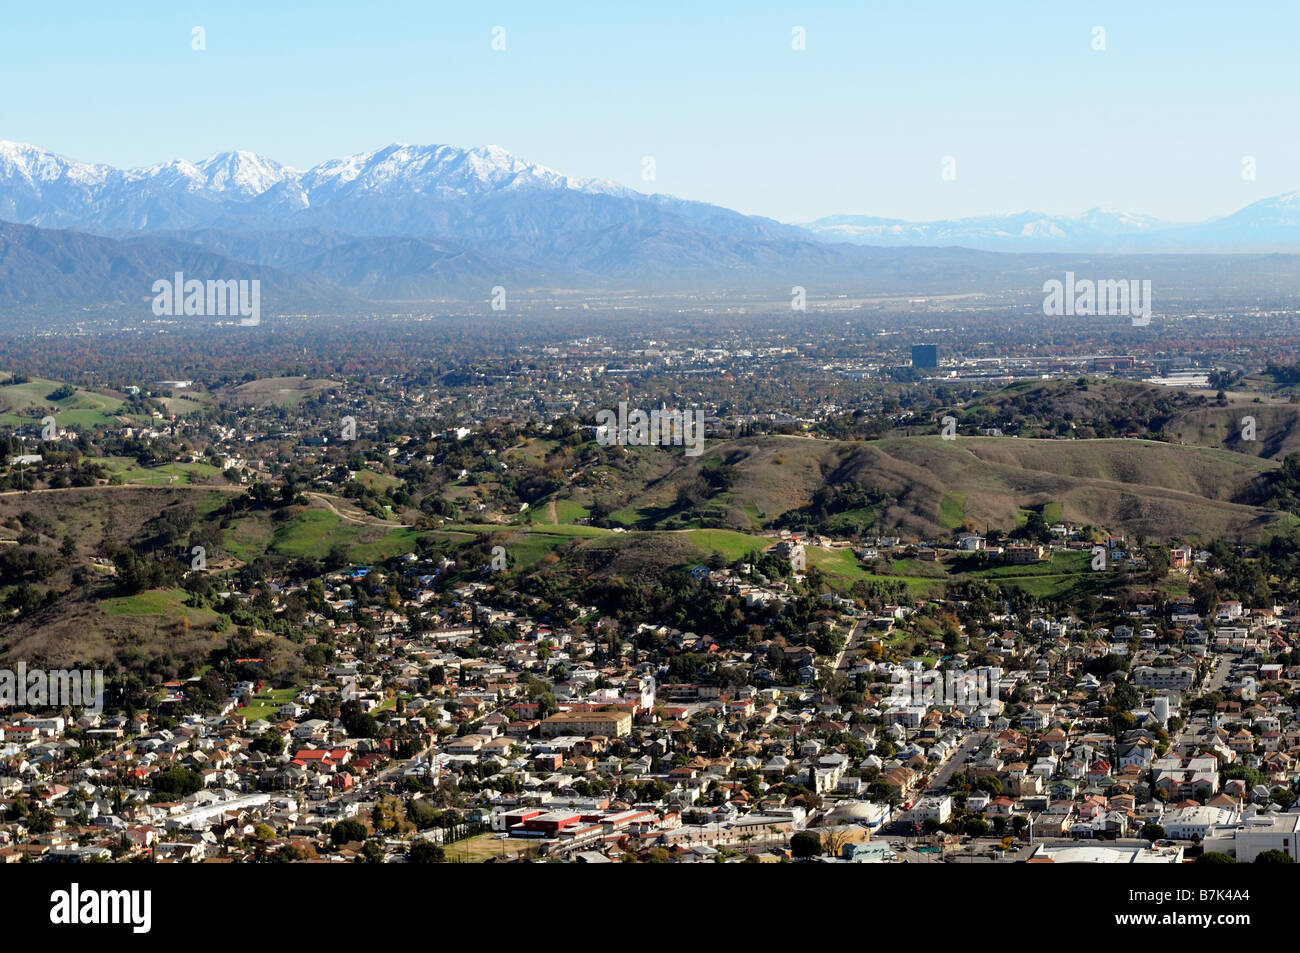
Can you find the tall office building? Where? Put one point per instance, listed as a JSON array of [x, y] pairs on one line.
[[925, 355]]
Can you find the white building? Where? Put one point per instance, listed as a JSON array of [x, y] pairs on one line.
[[936, 808], [1185, 823], [1179, 678], [1097, 854], [1256, 834]]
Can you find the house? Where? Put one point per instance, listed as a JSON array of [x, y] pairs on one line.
[[1018, 554]]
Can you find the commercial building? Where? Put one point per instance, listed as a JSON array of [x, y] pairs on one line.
[[1254, 835], [1097, 854], [1179, 678], [925, 355], [611, 724], [1186, 823], [933, 808]]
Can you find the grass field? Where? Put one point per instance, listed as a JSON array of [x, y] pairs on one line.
[[534, 449], [1066, 572], [82, 410], [281, 391], [952, 510], [152, 602], [919, 568], [157, 602], [182, 474], [730, 543], [311, 533], [378, 481], [528, 549], [267, 704], [475, 850], [395, 543], [569, 511]]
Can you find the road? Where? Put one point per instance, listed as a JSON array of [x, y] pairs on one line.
[[122, 487], [843, 661], [940, 779], [364, 519], [1219, 678]]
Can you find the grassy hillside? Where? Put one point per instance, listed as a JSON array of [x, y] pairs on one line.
[[920, 486], [1277, 428], [23, 404], [277, 391], [1165, 491], [1104, 407]]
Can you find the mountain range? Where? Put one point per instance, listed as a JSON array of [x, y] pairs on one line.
[[425, 222], [1269, 225]]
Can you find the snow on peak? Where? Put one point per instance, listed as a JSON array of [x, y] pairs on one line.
[[443, 169], [241, 175], [242, 172], [39, 166]]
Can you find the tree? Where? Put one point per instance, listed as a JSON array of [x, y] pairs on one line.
[[345, 832], [356, 722], [1214, 857], [1274, 857], [178, 782], [806, 844], [836, 840], [270, 743], [423, 814], [389, 816], [426, 852], [1153, 832]]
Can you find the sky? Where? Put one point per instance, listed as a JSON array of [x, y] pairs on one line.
[[859, 121]]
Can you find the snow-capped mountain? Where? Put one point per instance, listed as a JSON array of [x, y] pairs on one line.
[[242, 173], [486, 201], [416, 222], [443, 170], [487, 194], [1259, 226], [38, 187], [408, 221]]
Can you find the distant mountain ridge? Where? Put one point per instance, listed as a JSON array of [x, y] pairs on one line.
[[45, 270], [410, 222], [360, 193], [489, 194], [1269, 225]]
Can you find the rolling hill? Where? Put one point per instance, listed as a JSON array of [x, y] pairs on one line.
[[1164, 491]]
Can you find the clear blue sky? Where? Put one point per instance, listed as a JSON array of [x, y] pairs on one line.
[[857, 122]]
